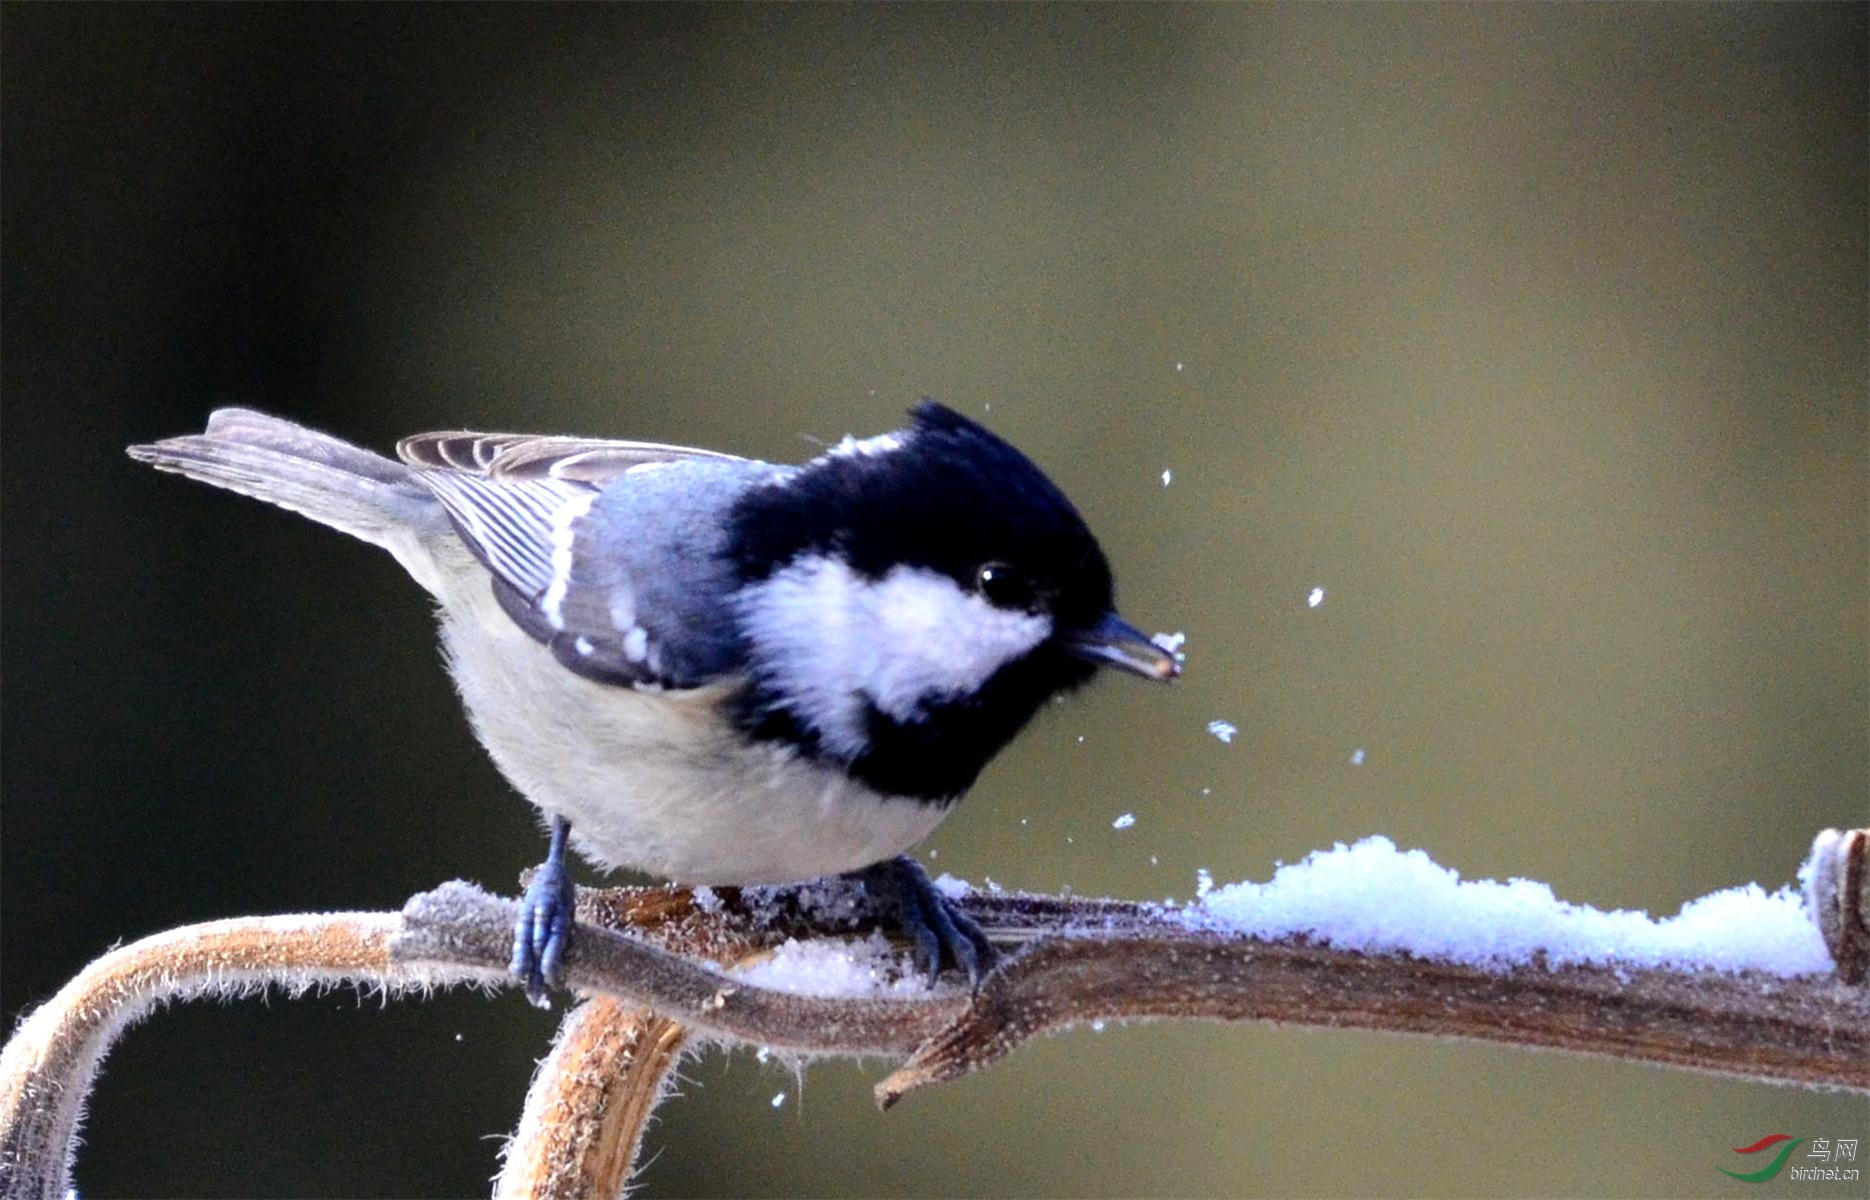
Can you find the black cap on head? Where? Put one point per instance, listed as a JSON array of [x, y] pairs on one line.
[[945, 494]]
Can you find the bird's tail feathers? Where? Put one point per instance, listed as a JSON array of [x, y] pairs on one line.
[[351, 489]]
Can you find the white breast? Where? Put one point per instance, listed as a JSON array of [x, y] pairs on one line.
[[658, 781]]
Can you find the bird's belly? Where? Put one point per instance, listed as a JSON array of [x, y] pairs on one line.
[[659, 781]]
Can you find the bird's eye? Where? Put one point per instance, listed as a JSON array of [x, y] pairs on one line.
[[1006, 587]]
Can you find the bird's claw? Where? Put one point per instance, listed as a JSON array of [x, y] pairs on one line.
[[941, 931], [543, 931]]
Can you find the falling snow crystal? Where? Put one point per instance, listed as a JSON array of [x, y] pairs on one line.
[[1124, 822], [1222, 729], [1315, 597]]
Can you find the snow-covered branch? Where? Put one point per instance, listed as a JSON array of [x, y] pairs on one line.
[[1745, 983]]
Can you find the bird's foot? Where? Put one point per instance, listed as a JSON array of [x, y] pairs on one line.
[[941, 931], [544, 926]]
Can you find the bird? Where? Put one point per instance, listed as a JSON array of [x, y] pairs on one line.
[[718, 670]]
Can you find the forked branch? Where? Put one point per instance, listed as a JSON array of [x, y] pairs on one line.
[[1082, 961]]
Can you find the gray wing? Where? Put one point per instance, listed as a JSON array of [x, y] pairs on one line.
[[540, 456], [608, 553]]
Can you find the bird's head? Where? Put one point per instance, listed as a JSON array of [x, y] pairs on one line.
[[910, 600]]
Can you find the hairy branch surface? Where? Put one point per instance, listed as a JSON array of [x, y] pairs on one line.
[[646, 959]]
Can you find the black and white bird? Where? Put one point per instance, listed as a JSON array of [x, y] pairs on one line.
[[717, 670]]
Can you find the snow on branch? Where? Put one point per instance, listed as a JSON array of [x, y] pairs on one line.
[[1746, 983]]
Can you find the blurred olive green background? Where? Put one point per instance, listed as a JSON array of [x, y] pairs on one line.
[[1534, 335]]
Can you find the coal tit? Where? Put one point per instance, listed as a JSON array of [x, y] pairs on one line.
[[718, 670]]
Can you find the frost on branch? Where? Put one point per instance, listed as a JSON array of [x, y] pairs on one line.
[[1743, 982]]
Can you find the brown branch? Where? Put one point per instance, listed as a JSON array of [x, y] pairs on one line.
[[582, 1127], [1837, 895], [1132, 962], [49, 1066], [458, 925], [581, 1131], [1084, 961], [1777, 1030]]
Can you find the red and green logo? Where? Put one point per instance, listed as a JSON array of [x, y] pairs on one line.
[[1772, 1168]]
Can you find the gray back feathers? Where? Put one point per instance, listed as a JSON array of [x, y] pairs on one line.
[[609, 553]]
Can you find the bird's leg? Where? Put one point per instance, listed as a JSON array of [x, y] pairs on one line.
[[941, 931], [544, 927]]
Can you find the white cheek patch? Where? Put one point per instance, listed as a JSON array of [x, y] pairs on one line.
[[830, 640]]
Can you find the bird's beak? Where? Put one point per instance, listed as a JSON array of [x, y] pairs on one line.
[[1114, 642]]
